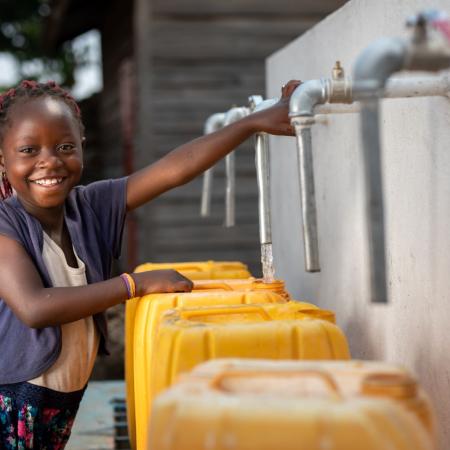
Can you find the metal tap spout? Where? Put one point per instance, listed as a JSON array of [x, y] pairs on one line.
[[230, 168], [304, 100], [212, 123]]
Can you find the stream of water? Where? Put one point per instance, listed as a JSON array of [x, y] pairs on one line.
[[267, 263]]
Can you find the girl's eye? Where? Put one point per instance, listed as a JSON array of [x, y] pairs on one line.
[[66, 148], [27, 150]]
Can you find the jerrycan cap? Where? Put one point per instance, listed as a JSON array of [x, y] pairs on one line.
[[276, 286], [260, 284], [395, 385]]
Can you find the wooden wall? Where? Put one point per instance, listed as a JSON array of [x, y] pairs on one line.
[[204, 57]]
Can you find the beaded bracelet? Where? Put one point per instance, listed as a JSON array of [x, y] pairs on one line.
[[129, 284]]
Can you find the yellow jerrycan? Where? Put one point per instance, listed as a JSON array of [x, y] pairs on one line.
[[202, 270], [188, 336], [251, 410], [143, 316], [192, 270], [245, 285], [354, 379]]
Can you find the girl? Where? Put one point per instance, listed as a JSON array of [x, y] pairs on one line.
[[57, 244]]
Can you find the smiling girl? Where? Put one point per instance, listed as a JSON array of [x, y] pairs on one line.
[[58, 241]]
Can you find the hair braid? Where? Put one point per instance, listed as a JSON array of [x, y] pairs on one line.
[[29, 89]]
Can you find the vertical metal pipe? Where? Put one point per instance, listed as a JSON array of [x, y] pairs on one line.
[[230, 189], [262, 159], [374, 200], [372, 69], [213, 123], [307, 193], [205, 206], [230, 168]]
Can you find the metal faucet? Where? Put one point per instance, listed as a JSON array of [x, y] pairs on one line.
[[428, 48], [230, 168], [304, 99], [213, 123], [262, 162]]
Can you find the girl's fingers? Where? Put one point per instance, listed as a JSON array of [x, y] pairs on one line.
[[288, 88]]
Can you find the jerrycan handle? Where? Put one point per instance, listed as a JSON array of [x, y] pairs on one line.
[[188, 267], [224, 310], [217, 381], [209, 286]]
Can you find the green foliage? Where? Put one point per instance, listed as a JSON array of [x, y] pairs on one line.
[[21, 29]]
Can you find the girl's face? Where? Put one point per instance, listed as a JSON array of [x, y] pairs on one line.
[[42, 152]]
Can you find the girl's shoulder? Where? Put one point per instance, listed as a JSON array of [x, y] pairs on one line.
[[15, 222], [99, 195]]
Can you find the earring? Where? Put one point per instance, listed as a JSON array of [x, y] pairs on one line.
[[5, 189]]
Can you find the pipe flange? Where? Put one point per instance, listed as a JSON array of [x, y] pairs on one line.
[[303, 121]]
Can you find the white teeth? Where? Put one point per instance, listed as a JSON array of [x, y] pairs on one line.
[[48, 181]]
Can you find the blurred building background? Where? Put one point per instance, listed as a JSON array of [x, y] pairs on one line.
[[166, 66]]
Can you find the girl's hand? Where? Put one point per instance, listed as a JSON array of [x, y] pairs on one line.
[[275, 120], [167, 280]]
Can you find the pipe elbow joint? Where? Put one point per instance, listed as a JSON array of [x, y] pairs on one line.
[[306, 97], [235, 114], [377, 63], [214, 123]]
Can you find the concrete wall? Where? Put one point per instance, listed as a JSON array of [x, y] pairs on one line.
[[413, 329]]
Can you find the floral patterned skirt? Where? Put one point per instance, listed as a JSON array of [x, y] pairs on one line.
[[35, 417]]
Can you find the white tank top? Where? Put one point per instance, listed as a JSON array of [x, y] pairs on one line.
[[80, 339]]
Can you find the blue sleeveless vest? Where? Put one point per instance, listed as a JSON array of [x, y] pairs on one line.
[[95, 217]]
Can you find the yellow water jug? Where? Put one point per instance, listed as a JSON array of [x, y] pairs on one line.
[[188, 336], [202, 270], [244, 285], [354, 379], [269, 411], [192, 270], [142, 320]]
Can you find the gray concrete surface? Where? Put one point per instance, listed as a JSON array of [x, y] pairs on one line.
[[93, 428]]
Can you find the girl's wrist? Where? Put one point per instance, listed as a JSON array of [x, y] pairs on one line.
[[251, 123], [129, 284]]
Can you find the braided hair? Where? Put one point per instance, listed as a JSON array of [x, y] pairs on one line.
[[28, 90]]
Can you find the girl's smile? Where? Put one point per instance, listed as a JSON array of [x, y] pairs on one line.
[[42, 153]]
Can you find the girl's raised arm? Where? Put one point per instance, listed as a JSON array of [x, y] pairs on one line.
[[189, 160], [38, 307]]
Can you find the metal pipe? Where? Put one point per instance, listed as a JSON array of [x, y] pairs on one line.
[[307, 193], [262, 162], [427, 49], [230, 169], [336, 95], [427, 86], [213, 123], [301, 109]]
